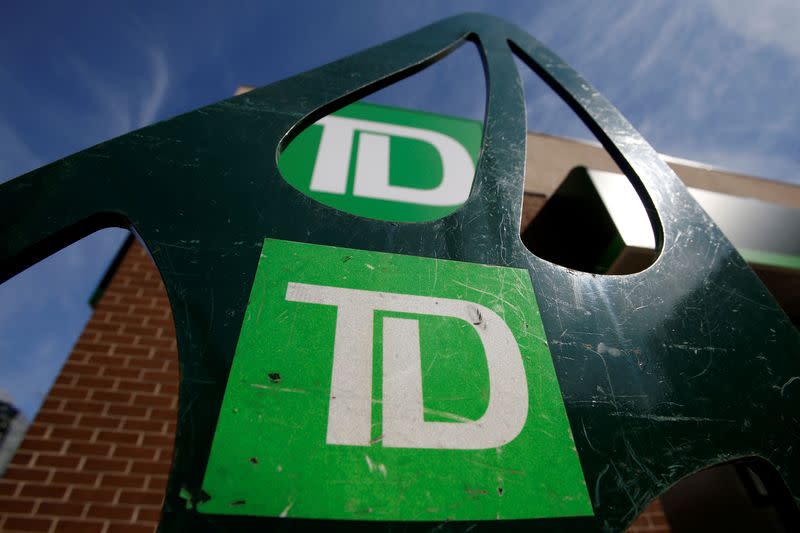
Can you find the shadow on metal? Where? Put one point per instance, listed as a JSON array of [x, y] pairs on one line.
[[746, 494]]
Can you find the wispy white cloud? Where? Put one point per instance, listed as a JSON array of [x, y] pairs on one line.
[[159, 83], [120, 106], [712, 81], [109, 101], [767, 22], [15, 154]]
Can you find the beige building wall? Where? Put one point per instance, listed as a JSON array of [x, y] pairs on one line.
[[549, 159]]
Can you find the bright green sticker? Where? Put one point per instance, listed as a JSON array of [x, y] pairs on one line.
[[385, 163], [376, 386]]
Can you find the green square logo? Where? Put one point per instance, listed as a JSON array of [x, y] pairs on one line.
[[376, 386]]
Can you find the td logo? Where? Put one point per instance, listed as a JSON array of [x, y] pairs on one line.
[[404, 425], [377, 386], [385, 163]]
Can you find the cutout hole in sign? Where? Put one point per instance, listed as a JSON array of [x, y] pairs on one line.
[[579, 209], [46, 307], [406, 153]]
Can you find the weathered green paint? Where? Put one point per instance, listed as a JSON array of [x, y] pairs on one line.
[[270, 455], [684, 365], [412, 163]]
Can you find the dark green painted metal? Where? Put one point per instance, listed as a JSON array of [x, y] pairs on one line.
[[704, 368]]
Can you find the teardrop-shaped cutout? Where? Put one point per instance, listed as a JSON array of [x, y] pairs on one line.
[[406, 153], [45, 308], [579, 209]]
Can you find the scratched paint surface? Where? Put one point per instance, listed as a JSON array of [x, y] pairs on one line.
[[269, 455], [684, 365]]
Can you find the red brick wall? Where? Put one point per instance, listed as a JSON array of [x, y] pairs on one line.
[[97, 456], [652, 520]]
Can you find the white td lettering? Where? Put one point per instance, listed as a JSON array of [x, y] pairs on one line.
[[372, 163], [350, 409]]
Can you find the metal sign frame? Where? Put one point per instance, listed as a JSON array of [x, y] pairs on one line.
[[684, 365]]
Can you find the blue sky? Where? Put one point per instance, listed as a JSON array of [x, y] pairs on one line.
[[713, 81]]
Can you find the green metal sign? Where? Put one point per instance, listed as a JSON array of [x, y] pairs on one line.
[[384, 163], [686, 364], [379, 386]]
